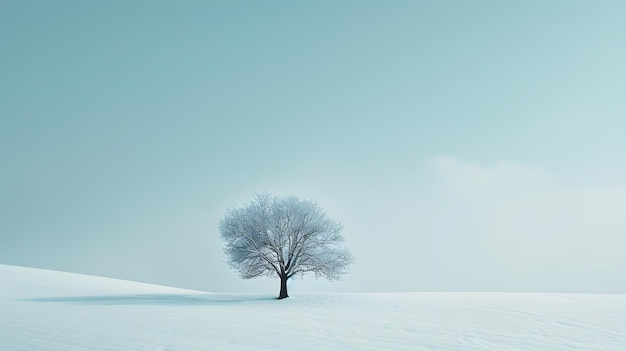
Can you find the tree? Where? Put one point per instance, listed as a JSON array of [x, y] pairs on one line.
[[283, 236]]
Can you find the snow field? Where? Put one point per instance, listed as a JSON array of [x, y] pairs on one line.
[[49, 310]]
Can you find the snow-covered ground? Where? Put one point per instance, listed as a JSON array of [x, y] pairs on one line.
[[49, 310]]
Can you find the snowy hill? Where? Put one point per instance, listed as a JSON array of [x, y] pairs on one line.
[[49, 310]]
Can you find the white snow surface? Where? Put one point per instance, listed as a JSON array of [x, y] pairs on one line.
[[50, 310]]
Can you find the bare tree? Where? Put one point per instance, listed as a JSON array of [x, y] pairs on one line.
[[283, 236]]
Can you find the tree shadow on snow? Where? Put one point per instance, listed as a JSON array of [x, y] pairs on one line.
[[158, 299]]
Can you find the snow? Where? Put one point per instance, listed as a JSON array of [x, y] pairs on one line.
[[49, 310]]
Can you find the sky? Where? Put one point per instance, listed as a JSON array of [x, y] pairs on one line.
[[464, 146]]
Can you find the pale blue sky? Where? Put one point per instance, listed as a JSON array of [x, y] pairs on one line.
[[464, 145]]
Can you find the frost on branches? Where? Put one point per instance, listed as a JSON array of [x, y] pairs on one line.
[[283, 236]]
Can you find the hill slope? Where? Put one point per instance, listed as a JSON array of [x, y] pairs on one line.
[[49, 310]]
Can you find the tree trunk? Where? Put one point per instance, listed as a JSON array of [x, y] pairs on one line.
[[283, 286]]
